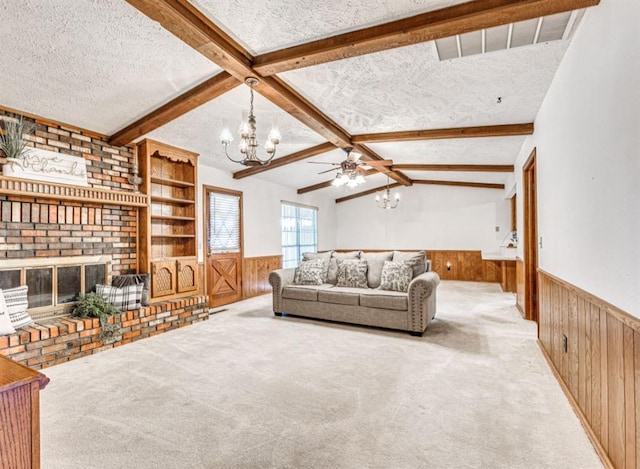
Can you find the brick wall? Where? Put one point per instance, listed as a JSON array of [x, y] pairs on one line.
[[38, 227], [55, 341]]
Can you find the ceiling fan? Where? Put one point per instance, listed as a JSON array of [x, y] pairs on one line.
[[351, 171], [352, 164]]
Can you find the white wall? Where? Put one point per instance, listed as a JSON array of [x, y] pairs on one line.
[[261, 212], [428, 217], [587, 135]]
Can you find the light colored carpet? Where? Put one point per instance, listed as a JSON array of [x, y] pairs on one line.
[[249, 390]]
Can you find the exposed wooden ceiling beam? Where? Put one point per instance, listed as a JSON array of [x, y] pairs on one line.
[[194, 28], [482, 185], [458, 19], [203, 93], [372, 155], [483, 168], [292, 158], [508, 130], [367, 192]]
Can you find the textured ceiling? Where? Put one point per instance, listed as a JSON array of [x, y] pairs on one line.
[[410, 88], [262, 27], [101, 64], [96, 64]]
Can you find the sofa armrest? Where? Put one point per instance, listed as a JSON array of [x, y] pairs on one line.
[[422, 300], [278, 279]]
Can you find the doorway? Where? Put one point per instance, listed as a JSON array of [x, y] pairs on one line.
[[530, 238], [224, 248]]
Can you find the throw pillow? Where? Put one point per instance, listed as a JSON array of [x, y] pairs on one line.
[[122, 281], [352, 273], [124, 299], [416, 259], [375, 262], [324, 256], [332, 275], [309, 273], [5, 322], [17, 305], [396, 276]]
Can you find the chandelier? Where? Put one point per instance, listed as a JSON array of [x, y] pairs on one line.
[[248, 141], [385, 201], [349, 174]]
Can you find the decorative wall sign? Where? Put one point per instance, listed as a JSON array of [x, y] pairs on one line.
[[44, 165]]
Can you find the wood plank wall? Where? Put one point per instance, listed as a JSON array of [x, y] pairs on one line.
[[600, 369], [465, 265], [255, 274], [520, 277]]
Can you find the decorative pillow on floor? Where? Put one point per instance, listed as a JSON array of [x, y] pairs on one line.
[[17, 305], [323, 256], [125, 299], [6, 327], [309, 273], [375, 262], [122, 281], [352, 273], [332, 275], [417, 260], [396, 276]]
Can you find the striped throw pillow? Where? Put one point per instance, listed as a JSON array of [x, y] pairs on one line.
[[5, 322], [17, 305]]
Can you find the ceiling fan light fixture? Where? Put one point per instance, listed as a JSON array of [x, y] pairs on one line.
[[248, 141]]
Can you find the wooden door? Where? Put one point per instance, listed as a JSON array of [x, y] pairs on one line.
[[223, 228], [530, 238]]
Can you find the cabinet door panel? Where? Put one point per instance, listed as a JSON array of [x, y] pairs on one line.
[[187, 275], [163, 278]]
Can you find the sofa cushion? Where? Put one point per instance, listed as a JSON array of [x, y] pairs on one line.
[[384, 300], [309, 273], [17, 304], [332, 275], [303, 292], [352, 273], [5, 322], [396, 276], [340, 296], [375, 262], [323, 256], [416, 259]]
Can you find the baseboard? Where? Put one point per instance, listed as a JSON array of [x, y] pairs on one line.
[[521, 310], [576, 408]]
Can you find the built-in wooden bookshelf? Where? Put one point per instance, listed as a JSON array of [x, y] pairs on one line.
[[167, 234]]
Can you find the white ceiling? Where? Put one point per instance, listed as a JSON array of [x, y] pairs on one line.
[[101, 65]]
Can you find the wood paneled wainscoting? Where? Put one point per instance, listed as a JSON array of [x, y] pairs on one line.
[[255, 274], [597, 365]]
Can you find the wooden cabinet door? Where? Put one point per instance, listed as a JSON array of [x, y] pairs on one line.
[[187, 275], [163, 278]]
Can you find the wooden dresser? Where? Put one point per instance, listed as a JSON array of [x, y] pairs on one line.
[[20, 415]]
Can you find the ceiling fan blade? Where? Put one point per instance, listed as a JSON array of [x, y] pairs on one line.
[[328, 170], [354, 155], [323, 162], [379, 163]]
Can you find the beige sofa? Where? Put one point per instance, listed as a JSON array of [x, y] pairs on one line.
[[410, 311]]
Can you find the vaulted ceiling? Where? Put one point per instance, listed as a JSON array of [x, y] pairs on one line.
[[448, 89]]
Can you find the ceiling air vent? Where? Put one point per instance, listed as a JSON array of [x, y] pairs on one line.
[[524, 33]]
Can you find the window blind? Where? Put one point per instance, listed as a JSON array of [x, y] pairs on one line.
[[224, 223]]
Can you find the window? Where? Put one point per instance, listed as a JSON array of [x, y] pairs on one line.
[[299, 232], [54, 288], [224, 223]]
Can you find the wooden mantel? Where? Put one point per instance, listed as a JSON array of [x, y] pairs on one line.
[[29, 188]]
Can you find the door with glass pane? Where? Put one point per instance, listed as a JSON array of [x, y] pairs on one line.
[[224, 245]]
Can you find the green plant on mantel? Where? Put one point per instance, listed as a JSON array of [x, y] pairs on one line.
[[92, 305], [12, 141]]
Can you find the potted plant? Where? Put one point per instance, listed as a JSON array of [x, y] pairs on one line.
[[12, 141], [92, 305]]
